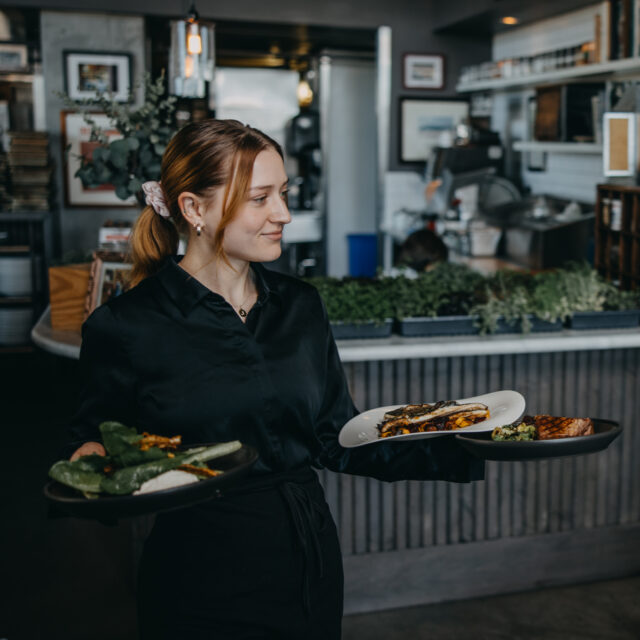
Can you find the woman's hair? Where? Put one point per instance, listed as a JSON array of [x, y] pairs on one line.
[[200, 158]]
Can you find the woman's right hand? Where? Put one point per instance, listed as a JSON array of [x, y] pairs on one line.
[[87, 449]]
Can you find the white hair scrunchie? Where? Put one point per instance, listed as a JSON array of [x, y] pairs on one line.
[[155, 198]]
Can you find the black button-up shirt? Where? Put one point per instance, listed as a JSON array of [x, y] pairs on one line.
[[172, 357]]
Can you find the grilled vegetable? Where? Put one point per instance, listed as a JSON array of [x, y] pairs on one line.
[[514, 432], [84, 474], [127, 466]]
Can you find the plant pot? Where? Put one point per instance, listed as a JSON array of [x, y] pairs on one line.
[[438, 326], [537, 326], [604, 319], [362, 330]]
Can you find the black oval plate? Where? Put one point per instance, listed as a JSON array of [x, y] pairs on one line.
[[482, 446], [235, 466]]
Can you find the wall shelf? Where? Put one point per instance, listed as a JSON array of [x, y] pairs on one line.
[[558, 147], [613, 68]]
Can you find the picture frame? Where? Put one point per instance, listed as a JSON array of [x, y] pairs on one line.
[[13, 57], [108, 278], [422, 122], [621, 135], [76, 142], [423, 71], [88, 74]]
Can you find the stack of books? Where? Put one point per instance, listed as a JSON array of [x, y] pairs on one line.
[[30, 171]]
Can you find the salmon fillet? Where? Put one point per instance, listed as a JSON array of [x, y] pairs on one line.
[[550, 427]]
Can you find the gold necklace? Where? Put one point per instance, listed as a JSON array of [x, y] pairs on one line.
[[240, 310]]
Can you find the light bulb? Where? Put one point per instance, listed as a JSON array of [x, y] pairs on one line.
[[304, 94], [194, 42]]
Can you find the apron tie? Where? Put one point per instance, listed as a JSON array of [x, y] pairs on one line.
[[303, 512]]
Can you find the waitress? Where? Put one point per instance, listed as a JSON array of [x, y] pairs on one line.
[[216, 347]]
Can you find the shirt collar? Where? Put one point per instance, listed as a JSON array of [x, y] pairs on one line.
[[187, 292]]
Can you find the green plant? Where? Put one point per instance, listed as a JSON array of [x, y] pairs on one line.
[[618, 300], [548, 298], [136, 156], [447, 289], [356, 300], [583, 287], [512, 306]]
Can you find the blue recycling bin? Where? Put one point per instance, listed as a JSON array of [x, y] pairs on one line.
[[363, 254]]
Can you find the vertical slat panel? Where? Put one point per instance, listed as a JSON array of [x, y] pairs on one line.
[[582, 400], [401, 396], [556, 407], [531, 468], [613, 457], [516, 498], [591, 462], [492, 480], [467, 496], [414, 523], [505, 470], [441, 505], [544, 402], [634, 443], [568, 477], [454, 514]]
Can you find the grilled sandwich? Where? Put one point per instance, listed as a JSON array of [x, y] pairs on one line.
[[440, 416]]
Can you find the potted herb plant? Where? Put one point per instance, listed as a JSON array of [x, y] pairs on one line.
[[437, 302], [357, 307], [596, 303], [519, 301]]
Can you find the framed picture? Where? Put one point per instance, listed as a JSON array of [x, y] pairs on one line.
[[91, 73], [423, 71], [108, 278], [424, 121], [13, 57], [76, 136], [621, 135]]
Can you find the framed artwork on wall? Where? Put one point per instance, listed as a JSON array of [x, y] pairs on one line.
[[77, 142], [88, 74], [423, 71], [13, 57], [424, 121]]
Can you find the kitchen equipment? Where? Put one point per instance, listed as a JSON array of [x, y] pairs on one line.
[[545, 241]]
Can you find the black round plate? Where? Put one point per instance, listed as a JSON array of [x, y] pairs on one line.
[[482, 446], [235, 466]]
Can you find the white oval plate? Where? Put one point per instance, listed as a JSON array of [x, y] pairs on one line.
[[505, 407]]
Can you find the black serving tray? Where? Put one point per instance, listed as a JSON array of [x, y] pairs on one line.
[[108, 508], [364, 330], [482, 446]]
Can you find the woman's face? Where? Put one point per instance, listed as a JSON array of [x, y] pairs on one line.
[[255, 232]]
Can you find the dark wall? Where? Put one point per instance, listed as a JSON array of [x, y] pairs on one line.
[[411, 22]]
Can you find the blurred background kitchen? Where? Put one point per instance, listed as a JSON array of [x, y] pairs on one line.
[[505, 133]]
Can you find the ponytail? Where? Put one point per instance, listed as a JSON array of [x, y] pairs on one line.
[[153, 238]]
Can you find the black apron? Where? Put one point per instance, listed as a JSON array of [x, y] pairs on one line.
[[260, 561]]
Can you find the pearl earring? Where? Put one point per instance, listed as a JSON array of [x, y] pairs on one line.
[[198, 229]]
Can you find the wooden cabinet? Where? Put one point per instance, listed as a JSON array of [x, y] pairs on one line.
[[617, 234]]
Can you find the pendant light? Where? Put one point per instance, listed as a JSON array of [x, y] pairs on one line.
[[192, 60], [194, 41]]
